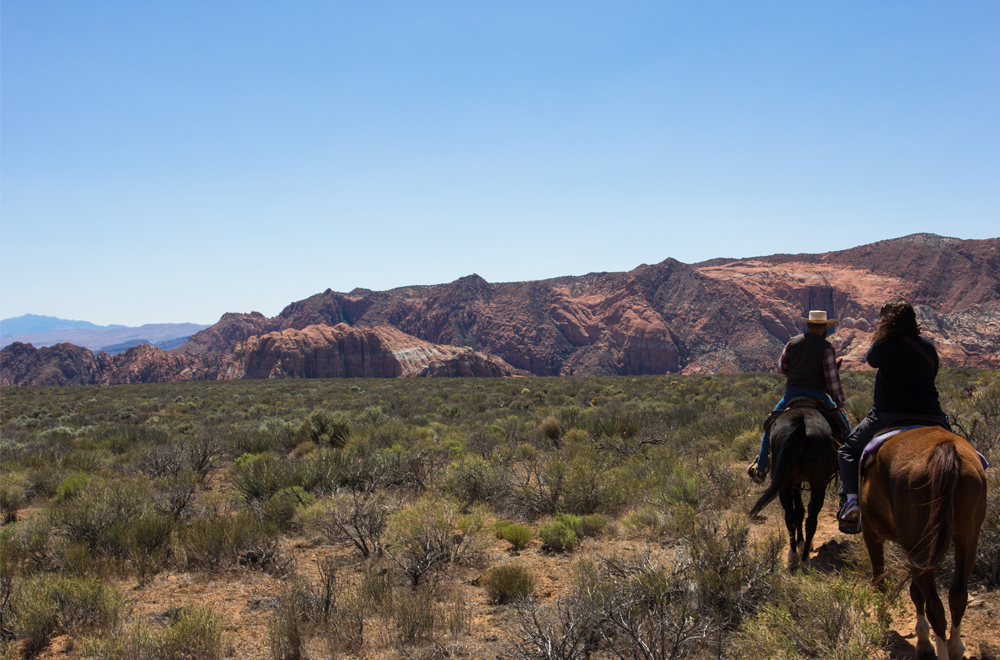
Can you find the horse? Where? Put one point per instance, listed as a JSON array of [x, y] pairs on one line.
[[926, 489], [802, 452]]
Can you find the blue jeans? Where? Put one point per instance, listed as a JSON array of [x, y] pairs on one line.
[[793, 393]]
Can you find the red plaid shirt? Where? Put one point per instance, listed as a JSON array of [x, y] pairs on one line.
[[830, 372]]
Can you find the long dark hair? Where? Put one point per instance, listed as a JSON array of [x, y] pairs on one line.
[[898, 318]]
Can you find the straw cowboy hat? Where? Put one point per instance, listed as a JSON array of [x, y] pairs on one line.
[[818, 317]]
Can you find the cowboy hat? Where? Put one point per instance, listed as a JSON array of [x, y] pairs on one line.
[[818, 317]]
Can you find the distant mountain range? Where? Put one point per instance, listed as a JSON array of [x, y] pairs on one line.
[[33, 324], [111, 338], [723, 315]]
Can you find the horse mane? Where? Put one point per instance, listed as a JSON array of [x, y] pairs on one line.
[[945, 467]]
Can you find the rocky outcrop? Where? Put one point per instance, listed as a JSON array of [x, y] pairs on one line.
[[62, 364], [148, 364], [342, 351], [229, 331], [317, 351]]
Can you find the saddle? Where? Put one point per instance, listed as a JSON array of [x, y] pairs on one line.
[[836, 423], [898, 426]]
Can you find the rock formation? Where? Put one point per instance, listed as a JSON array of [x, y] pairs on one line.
[[342, 351], [723, 315]]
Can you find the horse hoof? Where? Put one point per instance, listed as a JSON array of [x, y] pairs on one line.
[[925, 651], [793, 558]]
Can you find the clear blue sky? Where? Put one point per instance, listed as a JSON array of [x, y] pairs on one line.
[[172, 161]]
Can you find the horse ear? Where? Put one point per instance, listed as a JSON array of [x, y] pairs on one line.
[[839, 362]]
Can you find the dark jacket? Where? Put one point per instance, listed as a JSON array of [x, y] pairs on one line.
[[805, 361], [905, 379]]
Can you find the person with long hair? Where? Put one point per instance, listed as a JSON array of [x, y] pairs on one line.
[[904, 388]]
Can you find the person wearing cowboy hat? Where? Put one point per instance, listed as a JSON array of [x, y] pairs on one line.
[[809, 363], [904, 388]]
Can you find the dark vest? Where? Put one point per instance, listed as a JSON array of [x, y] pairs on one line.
[[805, 361]]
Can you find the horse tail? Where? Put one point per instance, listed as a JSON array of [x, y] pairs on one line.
[[945, 468], [785, 449]]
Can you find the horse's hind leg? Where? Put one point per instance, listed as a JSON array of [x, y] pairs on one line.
[[800, 515], [817, 494], [793, 523], [925, 650], [935, 611], [958, 595]]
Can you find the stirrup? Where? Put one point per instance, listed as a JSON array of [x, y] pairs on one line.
[[756, 475]]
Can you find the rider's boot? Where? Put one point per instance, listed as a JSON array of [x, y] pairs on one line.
[[849, 517]]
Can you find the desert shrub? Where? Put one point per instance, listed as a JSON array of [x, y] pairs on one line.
[[476, 479], [24, 545], [590, 483], [507, 583], [13, 495], [593, 525], [431, 532], [72, 485], [746, 445], [644, 520], [987, 568], [818, 616], [551, 428], [557, 536], [220, 542], [46, 605], [568, 629], [518, 536], [191, 632], [357, 517], [415, 614], [173, 495], [116, 520], [259, 476], [323, 427], [293, 622]]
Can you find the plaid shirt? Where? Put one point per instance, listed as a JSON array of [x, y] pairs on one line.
[[830, 372]]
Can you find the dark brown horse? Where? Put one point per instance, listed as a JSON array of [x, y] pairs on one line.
[[802, 452], [926, 489]]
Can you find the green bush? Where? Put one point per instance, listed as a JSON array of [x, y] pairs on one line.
[[220, 542], [13, 495], [46, 605], [518, 536], [558, 536], [191, 632], [507, 583], [818, 616], [551, 428], [431, 532]]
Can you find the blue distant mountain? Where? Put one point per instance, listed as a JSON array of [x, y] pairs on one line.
[[32, 324]]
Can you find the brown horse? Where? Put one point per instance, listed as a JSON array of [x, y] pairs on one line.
[[802, 453], [926, 489]]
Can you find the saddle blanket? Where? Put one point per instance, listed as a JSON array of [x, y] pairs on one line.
[[879, 440]]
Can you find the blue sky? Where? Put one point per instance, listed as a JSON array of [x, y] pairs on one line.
[[172, 161]]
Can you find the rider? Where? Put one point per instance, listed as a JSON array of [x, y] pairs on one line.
[[904, 387], [809, 362]]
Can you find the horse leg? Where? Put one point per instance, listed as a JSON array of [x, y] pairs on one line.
[[935, 610], [816, 496], [925, 650], [800, 514], [786, 498], [876, 553], [958, 595]]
